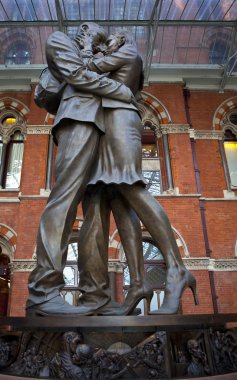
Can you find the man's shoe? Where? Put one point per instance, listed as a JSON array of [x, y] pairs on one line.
[[114, 308], [55, 307]]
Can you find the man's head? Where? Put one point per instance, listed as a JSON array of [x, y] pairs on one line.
[[92, 31], [116, 40]]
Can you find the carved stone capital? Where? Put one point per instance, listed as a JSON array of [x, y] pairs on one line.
[[208, 264], [116, 266], [22, 265], [174, 128], [39, 129]]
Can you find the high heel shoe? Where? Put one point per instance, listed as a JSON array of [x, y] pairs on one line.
[[134, 296], [177, 281]]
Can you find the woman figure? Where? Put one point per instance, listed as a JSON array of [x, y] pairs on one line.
[[119, 169]]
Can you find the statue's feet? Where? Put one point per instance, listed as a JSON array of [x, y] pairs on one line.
[[55, 307], [116, 309], [178, 279]]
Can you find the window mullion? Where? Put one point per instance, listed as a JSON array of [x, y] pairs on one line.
[[3, 164]]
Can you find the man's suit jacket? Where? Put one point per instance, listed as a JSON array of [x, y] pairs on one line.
[[81, 99]]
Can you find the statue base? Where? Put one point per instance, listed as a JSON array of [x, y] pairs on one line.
[[129, 347]]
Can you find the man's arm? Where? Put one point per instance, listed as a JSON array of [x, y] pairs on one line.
[[114, 61], [66, 65]]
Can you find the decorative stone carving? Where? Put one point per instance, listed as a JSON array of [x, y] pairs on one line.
[[116, 266], [67, 356], [206, 263], [206, 135], [174, 128], [224, 351], [23, 265], [96, 354], [39, 129]]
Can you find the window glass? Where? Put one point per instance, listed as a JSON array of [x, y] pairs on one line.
[[233, 118], [9, 121], [151, 252], [155, 274], [69, 275], [72, 253], [70, 272], [231, 156], [18, 54], [218, 53], [153, 182], [15, 157], [149, 151]]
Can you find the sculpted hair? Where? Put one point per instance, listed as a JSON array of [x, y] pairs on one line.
[[128, 36]]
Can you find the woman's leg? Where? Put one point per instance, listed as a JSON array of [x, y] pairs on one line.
[[157, 223], [155, 220]]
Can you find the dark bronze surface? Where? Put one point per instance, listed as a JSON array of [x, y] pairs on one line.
[[105, 348], [98, 132], [159, 321]]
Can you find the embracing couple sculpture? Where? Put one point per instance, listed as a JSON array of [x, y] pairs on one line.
[[98, 132]]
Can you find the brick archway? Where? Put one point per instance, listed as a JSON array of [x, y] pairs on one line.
[[153, 110], [221, 111], [8, 103], [9, 237]]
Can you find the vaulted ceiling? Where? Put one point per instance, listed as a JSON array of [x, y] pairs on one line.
[[193, 41]]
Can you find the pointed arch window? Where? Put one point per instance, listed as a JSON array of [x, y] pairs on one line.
[[230, 146], [18, 54], [13, 162], [151, 161], [11, 152]]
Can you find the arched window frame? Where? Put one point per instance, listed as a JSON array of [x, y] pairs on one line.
[[18, 53], [7, 142], [229, 137]]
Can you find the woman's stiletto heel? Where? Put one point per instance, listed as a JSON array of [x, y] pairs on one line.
[[134, 296], [195, 296], [177, 281]]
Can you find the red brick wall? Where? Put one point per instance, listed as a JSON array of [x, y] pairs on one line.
[[221, 225], [204, 295], [18, 294], [182, 163], [171, 95], [34, 164], [183, 211], [211, 169], [203, 105], [226, 285]]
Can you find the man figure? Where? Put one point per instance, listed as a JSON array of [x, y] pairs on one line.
[[77, 129]]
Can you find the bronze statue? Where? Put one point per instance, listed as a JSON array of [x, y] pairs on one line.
[[118, 161], [77, 129], [119, 168], [98, 123]]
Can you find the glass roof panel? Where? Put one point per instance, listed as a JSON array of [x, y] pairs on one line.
[[27, 10], [194, 44], [21, 42], [11, 10], [178, 39], [45, 9], [199, 10]]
